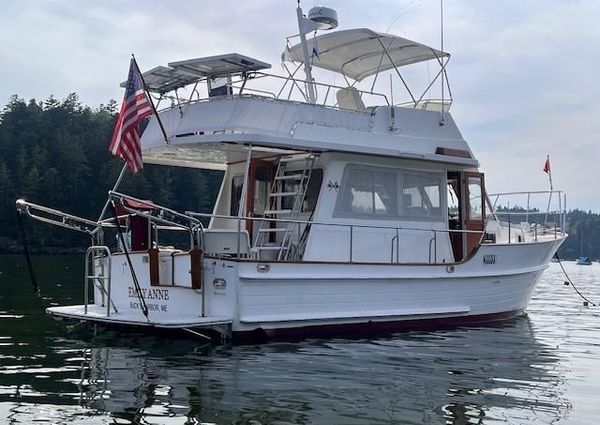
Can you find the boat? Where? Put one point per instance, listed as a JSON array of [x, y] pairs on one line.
[[584, 261], [339, 210]]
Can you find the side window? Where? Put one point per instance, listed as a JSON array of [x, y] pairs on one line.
[[237, 183], [368, 192], [421, 194], [262, 177], [475, 201], [312, 192], [452, 197], [380, 192]]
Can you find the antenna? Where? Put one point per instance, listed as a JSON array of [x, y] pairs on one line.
[[319, 18], [442, 118]]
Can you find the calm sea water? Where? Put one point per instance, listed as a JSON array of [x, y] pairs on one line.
[[541, 368]]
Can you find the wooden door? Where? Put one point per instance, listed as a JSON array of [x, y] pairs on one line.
[[455, 213], [260, 178], [474, 211]]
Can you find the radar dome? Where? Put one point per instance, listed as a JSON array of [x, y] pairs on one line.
[[325, 17]]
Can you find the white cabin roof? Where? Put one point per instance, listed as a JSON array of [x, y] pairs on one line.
[[211, 134], [359, 53]]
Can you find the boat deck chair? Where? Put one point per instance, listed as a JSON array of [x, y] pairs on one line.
[[349, 98]]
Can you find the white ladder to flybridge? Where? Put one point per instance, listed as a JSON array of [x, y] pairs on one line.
[[283, 232]]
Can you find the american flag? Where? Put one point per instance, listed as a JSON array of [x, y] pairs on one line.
[[125, 140]]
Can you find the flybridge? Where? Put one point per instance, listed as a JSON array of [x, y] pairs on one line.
[[239, 103], [356, 54]]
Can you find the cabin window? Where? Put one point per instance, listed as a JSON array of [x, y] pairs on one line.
[[475, 202], [237, 185], [368, 191], [386, 193], [421, 194], [262, 175], [312, 192]]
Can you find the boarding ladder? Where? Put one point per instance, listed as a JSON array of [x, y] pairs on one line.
[[97, 274], [284, 231]]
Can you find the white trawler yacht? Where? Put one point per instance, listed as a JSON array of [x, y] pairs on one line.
[[338, 209]]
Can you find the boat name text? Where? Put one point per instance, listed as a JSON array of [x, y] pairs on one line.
[[149, 294]]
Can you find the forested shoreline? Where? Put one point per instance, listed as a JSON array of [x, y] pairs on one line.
[[55, 153]]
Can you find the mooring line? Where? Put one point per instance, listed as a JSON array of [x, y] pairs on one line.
[[585, 300], [23, 234]]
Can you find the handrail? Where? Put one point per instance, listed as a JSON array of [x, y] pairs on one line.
[[90, 261], [528, 212], [321, 223], [524, 210], [193, 226], [326, 85], [351, 229], [296, 83], [58, 218], [528, 192]]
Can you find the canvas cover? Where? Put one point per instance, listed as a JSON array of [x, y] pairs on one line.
[[359, 53]]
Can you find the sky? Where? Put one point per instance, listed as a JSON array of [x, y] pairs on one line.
[[524, 74]]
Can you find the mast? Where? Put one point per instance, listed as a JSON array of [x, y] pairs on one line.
[[302, 28]]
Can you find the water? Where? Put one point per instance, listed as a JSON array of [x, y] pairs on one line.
[[541, 368]]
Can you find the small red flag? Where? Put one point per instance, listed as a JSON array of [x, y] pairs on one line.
[[126, 134], [547, 165]]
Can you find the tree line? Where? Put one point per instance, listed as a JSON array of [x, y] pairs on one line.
[[55, 153]]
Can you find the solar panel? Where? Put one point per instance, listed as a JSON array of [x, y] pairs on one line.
[[163, 79], [217, 66]]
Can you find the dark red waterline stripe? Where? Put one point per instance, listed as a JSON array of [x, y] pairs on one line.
[[371, 328]]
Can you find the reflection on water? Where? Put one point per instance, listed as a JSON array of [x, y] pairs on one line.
[[535, 368]]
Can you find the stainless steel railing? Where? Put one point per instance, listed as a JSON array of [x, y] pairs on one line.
[[57, 218], [98, 257], [546, 210], [431, 255]]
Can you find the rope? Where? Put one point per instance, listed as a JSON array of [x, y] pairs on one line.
[[586, 301], [23, 235], [136, 284]]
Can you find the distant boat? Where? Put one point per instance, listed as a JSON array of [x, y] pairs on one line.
[[584, 261]]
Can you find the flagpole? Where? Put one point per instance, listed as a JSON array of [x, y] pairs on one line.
[[549, 172], [115, 187], [549, 166], [137, 68]]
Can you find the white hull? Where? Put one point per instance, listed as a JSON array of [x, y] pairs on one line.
[[306, 296]]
